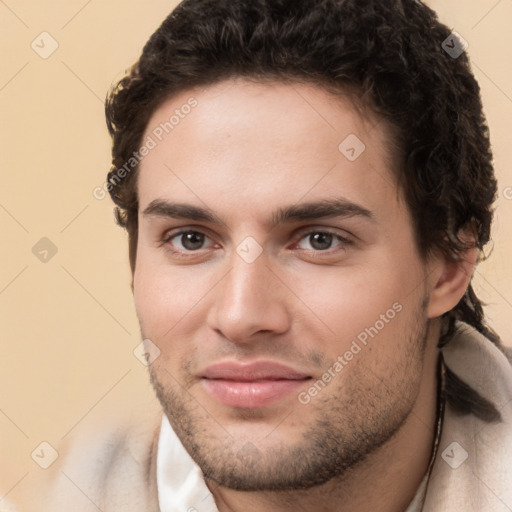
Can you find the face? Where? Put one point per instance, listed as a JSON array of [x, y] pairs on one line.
[[278, 276]]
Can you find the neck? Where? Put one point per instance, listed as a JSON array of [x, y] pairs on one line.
[[387, 480]]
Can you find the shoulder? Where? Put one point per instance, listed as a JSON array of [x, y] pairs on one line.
[[108, 465], [481, 364], [472, 468]]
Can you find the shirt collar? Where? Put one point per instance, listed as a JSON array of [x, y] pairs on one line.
[[181, 486]]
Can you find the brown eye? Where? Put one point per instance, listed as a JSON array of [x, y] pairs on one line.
[[321, 241], [187, 241], [192, 241]]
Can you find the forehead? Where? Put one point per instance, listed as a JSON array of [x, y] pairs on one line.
[[246, 142]]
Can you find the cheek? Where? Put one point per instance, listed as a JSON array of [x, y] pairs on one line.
[[149, 295], [369, 310], [157, 300], [161, 308], [353, 296], [168, 298]]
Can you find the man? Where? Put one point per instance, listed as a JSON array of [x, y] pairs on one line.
[[307, 187]]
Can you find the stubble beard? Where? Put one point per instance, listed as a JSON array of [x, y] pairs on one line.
[[341, 435]]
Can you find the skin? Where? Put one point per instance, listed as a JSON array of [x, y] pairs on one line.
[[248, 149]]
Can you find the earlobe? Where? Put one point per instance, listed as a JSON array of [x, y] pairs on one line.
[[451, 279]]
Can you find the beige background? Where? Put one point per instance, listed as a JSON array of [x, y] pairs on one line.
[[68, 325]]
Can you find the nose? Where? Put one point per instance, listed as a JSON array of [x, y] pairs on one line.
[[249, 300]]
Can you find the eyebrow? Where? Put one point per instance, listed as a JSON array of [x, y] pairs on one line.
[[320, 209], [326, 208]]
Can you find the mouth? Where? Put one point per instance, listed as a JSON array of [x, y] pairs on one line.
[[251, 385]]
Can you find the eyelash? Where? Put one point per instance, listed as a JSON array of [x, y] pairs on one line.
[[311, 252]]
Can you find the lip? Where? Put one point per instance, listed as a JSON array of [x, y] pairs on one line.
[[251, 385], [249, 372]]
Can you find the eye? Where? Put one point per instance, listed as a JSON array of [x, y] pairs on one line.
[[187, 241], [321, 241]]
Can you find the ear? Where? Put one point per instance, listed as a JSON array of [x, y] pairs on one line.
[[450, 279]]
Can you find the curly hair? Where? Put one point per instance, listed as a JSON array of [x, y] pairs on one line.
[[389, 51]]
